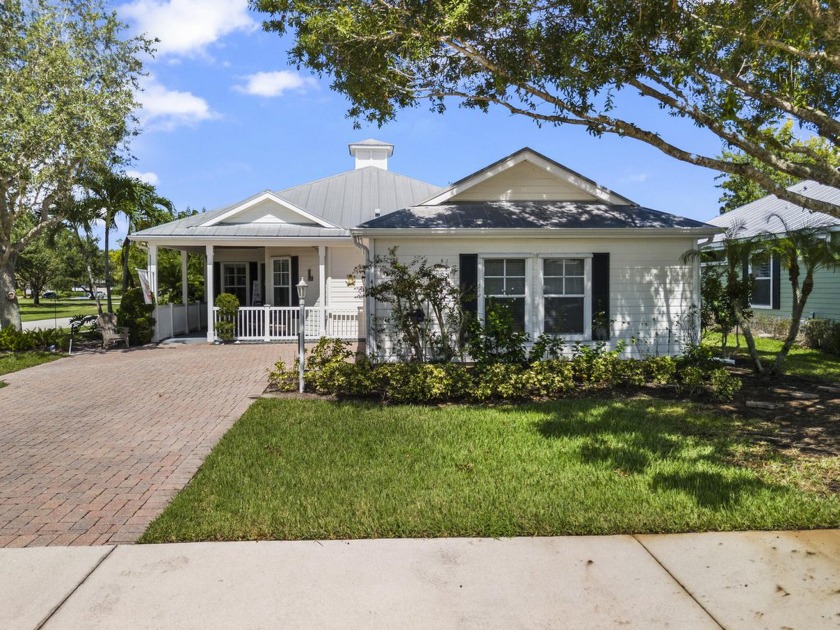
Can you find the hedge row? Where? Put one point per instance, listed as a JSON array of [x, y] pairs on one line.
[[330, 371], [14, 340]]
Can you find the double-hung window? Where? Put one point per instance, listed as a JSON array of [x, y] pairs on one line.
[[762, 271], [564, 296], [281, 269], [504, 285], [235, 280]]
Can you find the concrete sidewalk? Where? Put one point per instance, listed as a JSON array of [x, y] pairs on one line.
[[731, 580]]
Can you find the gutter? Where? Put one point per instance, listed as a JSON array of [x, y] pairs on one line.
[[369, 303], [412, 232]]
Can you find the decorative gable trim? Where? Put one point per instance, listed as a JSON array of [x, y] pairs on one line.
[[540, 161], [259, 198]]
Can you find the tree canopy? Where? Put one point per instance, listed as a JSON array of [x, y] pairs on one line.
[[738, 69], [68, 80], [739, 191]]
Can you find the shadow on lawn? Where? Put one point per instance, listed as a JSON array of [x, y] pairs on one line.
[[631, 438]]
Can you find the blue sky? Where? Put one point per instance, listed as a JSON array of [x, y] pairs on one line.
[[224, 117]]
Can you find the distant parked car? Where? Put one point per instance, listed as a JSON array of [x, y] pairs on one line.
[[99, 294], [49, 295]]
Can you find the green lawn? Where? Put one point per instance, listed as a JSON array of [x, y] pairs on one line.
[[14, 361], [294, 469], [802, 362], [48, 309]]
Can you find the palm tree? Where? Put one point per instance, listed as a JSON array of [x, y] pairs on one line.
[[107, 195]]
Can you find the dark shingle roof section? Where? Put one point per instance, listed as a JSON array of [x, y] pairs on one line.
[[530, 215], [771, 214]]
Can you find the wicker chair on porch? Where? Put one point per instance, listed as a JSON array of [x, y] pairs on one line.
[[111, 333]]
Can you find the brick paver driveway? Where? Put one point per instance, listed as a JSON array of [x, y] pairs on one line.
[[93, 447]]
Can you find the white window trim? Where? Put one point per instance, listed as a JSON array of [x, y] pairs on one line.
[[224, 286], [587, 296], [528, 258], [769, 306], [270, 273], [534, 302]]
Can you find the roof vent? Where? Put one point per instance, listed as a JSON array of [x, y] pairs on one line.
[[376, 212], [371, 153]]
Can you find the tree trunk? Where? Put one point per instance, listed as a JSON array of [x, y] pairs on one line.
[[9, 307], [36, 298], [126, 276], [795, 323], [108, 265]]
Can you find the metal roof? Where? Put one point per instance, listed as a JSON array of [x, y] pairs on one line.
[[344, 200], [530, 215], [771, 214]]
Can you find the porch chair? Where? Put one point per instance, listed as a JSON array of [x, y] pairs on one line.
[[110, 331]]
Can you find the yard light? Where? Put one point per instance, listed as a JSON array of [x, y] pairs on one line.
[[301, 292]]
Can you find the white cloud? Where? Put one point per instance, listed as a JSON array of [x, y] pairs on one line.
[[275, 83], [186, 28], [166, 109], [149, 177], [637, 178]]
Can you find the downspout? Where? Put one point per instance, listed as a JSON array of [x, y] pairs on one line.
[[369, 303]]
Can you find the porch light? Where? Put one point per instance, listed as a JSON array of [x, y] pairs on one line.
[[301, 291]]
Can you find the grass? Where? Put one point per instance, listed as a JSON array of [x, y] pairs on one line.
[[803, 362], [48, 309], [292, 469], [14, 361]]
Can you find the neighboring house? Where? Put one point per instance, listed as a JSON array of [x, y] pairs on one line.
[[568, 256], [772, 294]]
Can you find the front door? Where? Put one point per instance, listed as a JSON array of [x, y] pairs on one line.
[[282, 281]]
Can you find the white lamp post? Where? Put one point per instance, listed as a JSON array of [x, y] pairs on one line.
[[301, 292]]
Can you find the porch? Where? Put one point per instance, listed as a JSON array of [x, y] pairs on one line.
[[263, 279]]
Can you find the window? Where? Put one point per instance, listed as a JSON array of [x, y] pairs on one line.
[[504, 284], [282, 281], [564, 296], [762, 271], [235, 280]]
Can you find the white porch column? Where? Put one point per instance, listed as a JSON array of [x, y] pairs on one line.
[[185, 292], [153, 286], [268, 289], [153, 275], [322, 289], [208, 292]]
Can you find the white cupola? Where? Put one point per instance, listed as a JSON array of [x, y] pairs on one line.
[[371, 153]]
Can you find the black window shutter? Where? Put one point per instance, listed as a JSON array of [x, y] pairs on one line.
[[217, 280], [468, 273], [600, 296], [252, 277], [775, 267], [295, 280]]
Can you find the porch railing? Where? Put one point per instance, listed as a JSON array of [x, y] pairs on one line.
[[177, 319], [271, 323]]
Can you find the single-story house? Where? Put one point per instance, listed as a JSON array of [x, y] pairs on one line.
[[561, 250], [772, 293]]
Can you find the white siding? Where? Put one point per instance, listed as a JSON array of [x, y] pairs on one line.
[[524, 182], [341, 261], [651, 290], [268, 211]]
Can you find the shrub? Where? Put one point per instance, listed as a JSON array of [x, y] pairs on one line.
[[495, 340], [424, 382], [692, 380], [660, 370], [595, 365], [228, 305], [499, 381], [14, 340], [546, 347], [136, 315], [282, 378], [722, 385], [553, 378], [823, 334], [629, 372]]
